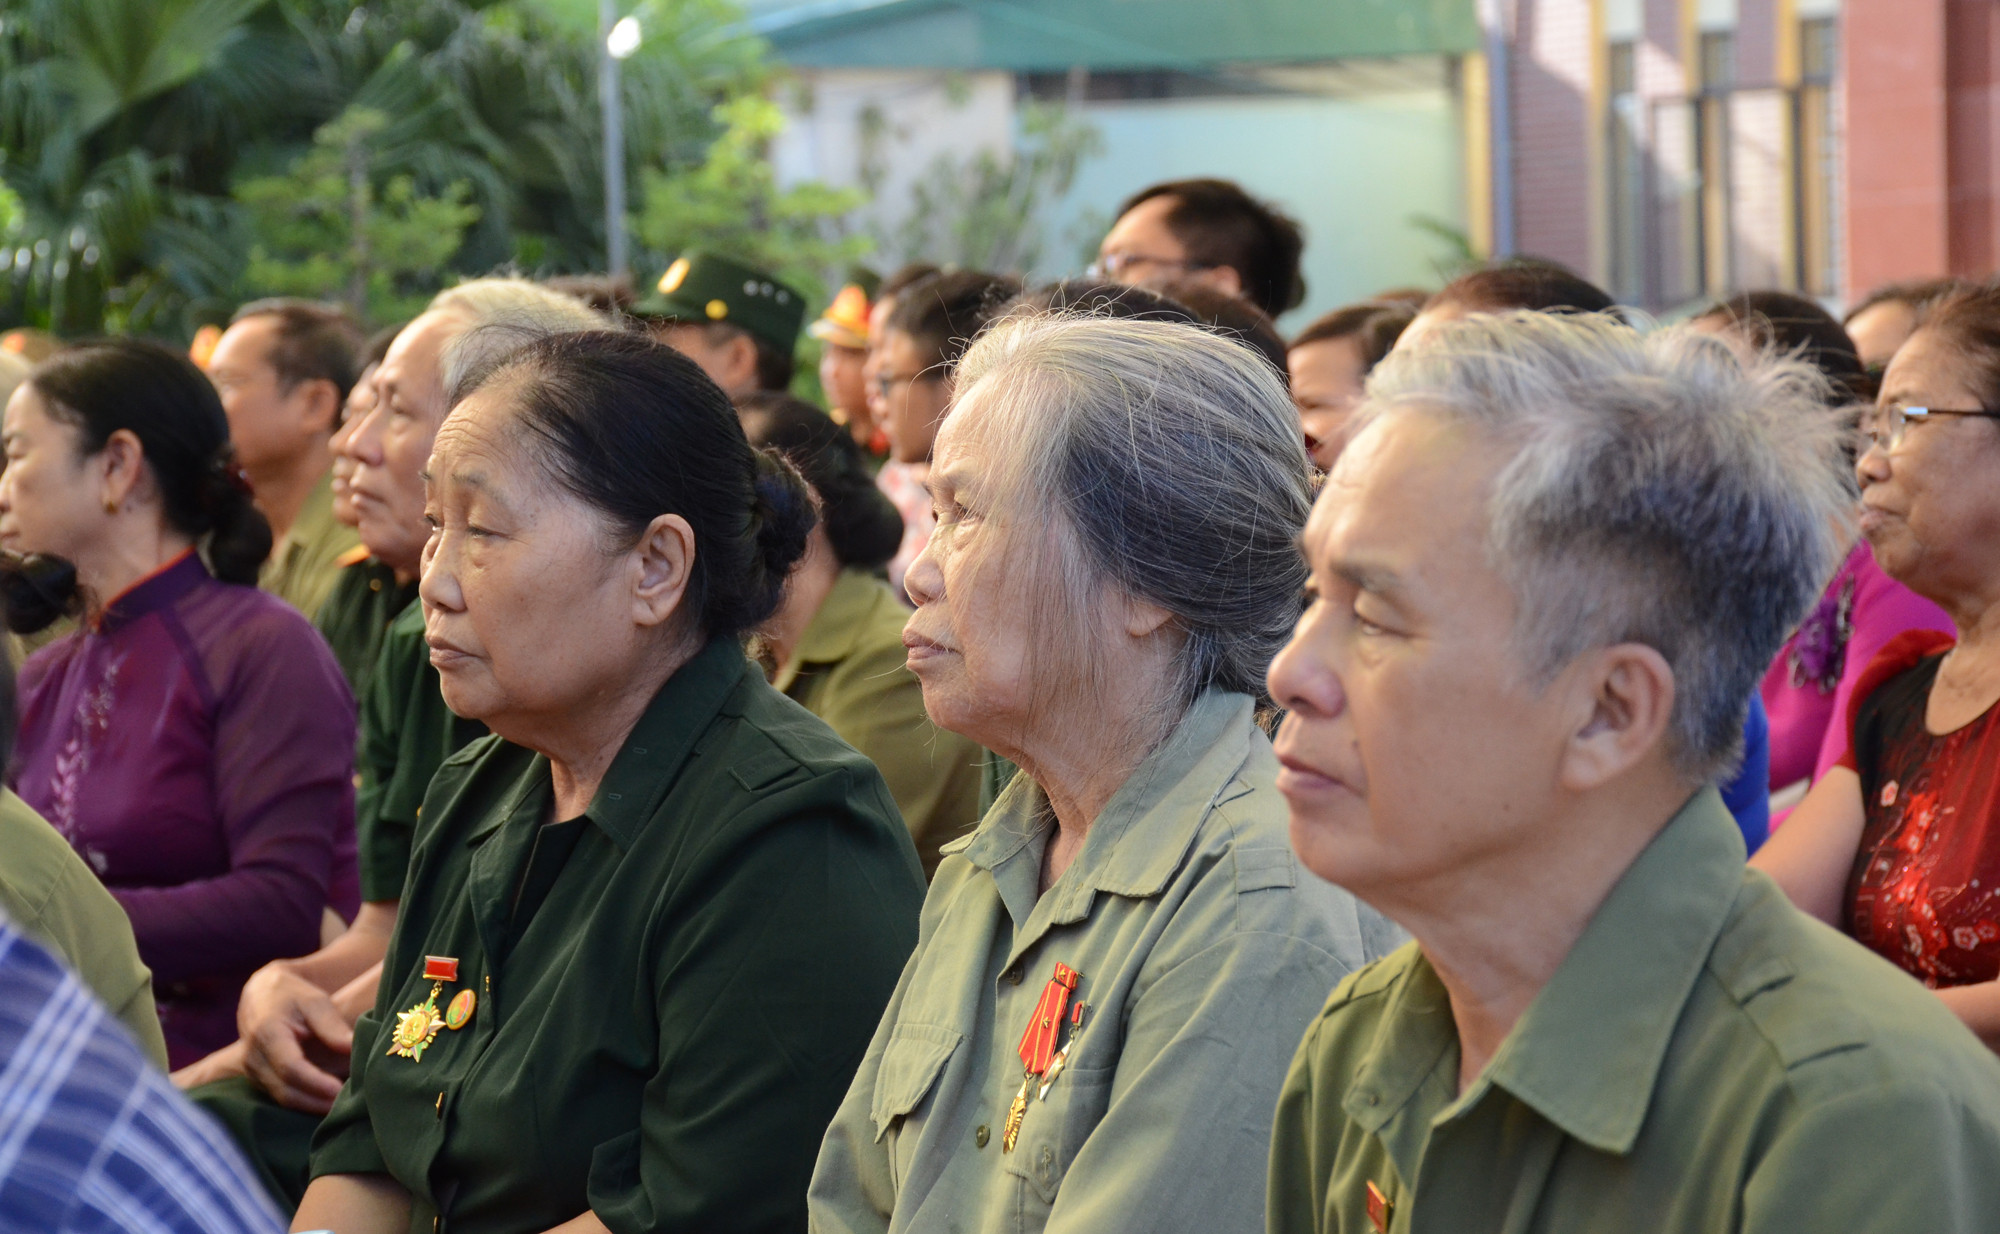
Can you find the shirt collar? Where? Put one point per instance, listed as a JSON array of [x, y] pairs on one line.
[[1144, 832], [1587, 1052], [836, 629], [314, 519], [154, 592], [650, 761]]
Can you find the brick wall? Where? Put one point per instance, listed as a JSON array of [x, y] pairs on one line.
[[1551, 76]]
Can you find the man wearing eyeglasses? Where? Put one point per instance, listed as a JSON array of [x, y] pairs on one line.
[[1209, 231]]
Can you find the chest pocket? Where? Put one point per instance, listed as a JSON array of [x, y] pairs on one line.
[[911, 1064]]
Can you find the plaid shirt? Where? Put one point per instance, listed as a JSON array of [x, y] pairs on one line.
[[91, 1137]]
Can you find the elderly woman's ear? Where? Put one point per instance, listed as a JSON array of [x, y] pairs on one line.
[[661, 561], [1142, 618]]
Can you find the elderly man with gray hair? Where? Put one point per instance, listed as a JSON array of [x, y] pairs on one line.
[[1112, 970], [1546, 575], [297, 1016]]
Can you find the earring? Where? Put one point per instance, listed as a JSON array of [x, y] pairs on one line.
[[110, 506]]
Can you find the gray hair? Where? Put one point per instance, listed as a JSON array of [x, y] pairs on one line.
[[1173, 460], [1658, 490], [503, 315]]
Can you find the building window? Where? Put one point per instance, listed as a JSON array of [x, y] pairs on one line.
[[1625, 178], [1712, 153], [1816, 173]]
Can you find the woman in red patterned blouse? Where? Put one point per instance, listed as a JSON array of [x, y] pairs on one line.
[[1899, 845]]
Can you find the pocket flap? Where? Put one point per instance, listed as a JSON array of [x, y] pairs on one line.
[[915, 1056]]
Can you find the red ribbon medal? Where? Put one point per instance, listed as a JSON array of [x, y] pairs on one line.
[[440, 968], [1038, 1044]]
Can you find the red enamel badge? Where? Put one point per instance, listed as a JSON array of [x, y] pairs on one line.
[[440, 968]]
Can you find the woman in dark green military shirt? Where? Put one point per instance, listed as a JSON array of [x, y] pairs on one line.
[[650, 924]]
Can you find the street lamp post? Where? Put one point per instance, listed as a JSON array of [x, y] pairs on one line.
[[617, 38]]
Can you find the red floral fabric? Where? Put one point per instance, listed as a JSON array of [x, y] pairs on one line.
[[1925, 888]]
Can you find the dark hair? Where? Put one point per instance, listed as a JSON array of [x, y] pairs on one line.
[[906, 277], [1097, 299], [1235, 318], [635, 429], [1968, 322], [1915, 295], [861, 522], [1797, 326], [1221, 225], [1374, 325], [1530, 283], [945, 312], [376, 349], [161, 398], [310, 342], [610, 294]]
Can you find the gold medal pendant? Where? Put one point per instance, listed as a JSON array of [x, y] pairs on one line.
[[416, 1027], [1010, 1131]]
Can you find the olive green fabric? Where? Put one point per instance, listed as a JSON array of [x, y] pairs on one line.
[[1706, 1058], [355, 618], [301, 568], [406, 734], [52, 895], [851, 670], [664, 1037], [276, 1141], [707, 287], [1202, 950]]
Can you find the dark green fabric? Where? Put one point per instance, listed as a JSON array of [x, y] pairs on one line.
[[668, 1040], [708, 287], [406, 734], [277, 1142], [365, 598]]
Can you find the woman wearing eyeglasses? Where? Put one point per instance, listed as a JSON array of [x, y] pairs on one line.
[[1899, 844]]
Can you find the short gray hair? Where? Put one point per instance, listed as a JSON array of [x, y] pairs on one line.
[[503, 315], [1658, 490], [1174, 462]]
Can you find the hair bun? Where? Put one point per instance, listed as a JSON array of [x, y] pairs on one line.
[[783, 513], [36, 591]]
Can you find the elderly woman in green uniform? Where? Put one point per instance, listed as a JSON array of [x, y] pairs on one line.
[[650, 922], [836, 642], [1114, 968]]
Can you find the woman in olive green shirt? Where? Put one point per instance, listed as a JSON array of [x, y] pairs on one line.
[[836, 642], [1114, 969], [649, 923]]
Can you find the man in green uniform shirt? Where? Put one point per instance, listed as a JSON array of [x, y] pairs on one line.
[[1547, 573], [283, 369]]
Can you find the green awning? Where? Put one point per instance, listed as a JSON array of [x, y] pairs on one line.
[[1029, 36]]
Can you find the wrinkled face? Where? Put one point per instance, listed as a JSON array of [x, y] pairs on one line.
[[359, 401], [915, 396], [527, 607], [1879, 330], [1412, 744], [392, 439], [1929, 507], [1327, 380], [840, 376], [50, 501], [975, 590], [269, 422]]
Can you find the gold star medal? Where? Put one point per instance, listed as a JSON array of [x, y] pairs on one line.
[[416, 1027]]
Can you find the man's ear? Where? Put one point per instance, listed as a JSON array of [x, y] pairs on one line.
[[319, 410], [1227, 278], [662, 560], [743, 360], [1625, 702]]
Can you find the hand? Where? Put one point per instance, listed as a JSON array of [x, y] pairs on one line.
[[224, 1063], [296, 1042]]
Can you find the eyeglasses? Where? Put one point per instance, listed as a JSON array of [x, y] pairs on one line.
[[1887, 424], [1114, 265]]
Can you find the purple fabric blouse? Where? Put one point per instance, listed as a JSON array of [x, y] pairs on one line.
[[196, 747], [1807, 687]]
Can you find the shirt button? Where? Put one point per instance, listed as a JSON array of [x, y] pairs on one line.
[[1014, 974], [1374, 1098], [982, 1135]]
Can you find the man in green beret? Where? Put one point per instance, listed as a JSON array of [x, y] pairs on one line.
[[734, 320]]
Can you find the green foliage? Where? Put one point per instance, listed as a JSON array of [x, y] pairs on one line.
[[324, 225], [731, 203], [983, 211]]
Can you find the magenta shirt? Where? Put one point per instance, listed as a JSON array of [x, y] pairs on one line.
[[1807, 687], [197, 749]]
